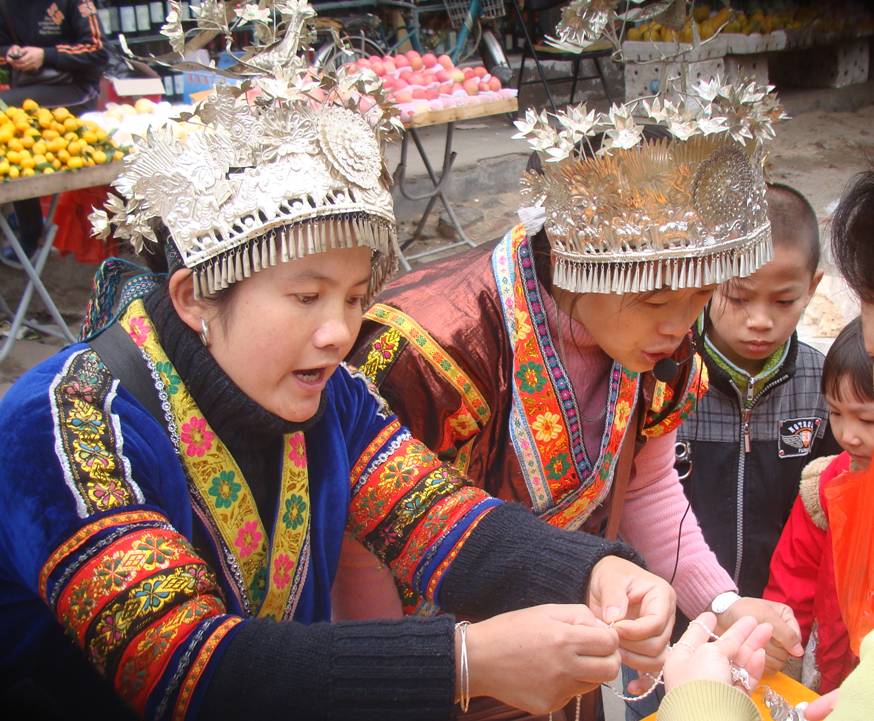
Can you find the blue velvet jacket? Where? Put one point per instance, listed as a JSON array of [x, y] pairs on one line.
[[100, 511]]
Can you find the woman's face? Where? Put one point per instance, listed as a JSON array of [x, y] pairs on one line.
[[285, 330], [637, 329]]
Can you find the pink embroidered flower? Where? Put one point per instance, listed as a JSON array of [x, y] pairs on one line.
[[109, 494], [139, 331], [196, 436], [297, 452], [282, 568], [248, 539]]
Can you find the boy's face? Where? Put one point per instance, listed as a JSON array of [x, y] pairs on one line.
[[852, 421], [752, 317]]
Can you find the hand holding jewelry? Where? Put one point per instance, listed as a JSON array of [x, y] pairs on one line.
[[535, 659], [737, 657], [639, 606], [786, 638]]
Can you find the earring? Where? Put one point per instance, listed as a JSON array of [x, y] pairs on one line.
[[204, 332]]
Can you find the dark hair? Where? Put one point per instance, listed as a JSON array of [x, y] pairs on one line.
[[165, 258], [793, 222], [847, 358], [852, 235]]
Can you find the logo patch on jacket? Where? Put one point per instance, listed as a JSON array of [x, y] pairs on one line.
[[797, 436]]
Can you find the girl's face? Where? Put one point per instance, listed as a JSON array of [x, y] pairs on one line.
[[636, 329], [285, 330], [852, 422]]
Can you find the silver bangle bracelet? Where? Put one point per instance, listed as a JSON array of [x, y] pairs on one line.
[[464, 691]]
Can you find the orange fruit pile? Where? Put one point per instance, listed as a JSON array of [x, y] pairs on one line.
[[39, 141]]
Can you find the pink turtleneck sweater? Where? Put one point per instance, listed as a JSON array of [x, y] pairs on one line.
[[654, 502]]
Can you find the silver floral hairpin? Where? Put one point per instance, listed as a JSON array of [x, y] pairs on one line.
[[286, 164], [744, 112]]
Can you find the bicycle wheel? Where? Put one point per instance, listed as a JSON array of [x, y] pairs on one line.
[[330, 57]]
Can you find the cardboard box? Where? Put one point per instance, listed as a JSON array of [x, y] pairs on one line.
[[129, 90]]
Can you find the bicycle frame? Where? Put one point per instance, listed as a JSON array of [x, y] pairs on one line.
[[473, 11]]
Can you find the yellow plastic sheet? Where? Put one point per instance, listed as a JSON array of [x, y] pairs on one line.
[[787, 687]]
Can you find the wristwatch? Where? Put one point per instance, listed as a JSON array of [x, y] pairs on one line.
[[723, 602]]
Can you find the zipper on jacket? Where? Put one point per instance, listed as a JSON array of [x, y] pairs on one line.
[[746, 404]]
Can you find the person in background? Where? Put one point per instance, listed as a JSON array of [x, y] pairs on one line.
[[852, 242], [524, 361], [803, 565], [741, 452], [55, 54]]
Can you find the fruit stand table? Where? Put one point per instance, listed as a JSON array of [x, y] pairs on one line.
[[37, 187], [448, 117]]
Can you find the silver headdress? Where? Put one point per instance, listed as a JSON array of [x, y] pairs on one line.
[[286, 165], [636, 215]]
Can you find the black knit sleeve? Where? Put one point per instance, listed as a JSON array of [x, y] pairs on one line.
[[514, 560], [355, 671]]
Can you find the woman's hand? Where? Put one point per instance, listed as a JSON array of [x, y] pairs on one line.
[[692, 658], [640, 606], [538, 658], [786, 638]]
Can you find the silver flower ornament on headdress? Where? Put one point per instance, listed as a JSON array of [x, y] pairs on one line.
[[624, 213], [284, 166]]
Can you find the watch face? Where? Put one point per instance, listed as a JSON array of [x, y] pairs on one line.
[[723, 601]]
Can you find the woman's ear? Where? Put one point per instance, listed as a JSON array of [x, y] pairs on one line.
[[190, 309]]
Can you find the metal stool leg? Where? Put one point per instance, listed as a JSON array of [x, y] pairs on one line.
[[603, 79], [576, 75], [530, 45]]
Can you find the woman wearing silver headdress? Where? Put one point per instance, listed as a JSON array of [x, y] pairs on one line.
[[555, 366], [176, 491]]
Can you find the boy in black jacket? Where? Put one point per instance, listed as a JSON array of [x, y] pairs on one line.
[[54, 51], [764, 418]]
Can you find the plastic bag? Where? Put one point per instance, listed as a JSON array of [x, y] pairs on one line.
[[850, 506]]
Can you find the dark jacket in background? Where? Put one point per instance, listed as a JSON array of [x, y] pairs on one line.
[[68, 31], [742, 490]]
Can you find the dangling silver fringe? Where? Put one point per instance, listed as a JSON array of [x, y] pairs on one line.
[[298, 241], [613, 275]]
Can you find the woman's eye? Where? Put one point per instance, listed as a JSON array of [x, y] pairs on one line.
[[306, 299], [356, 301], [734, 300], [787, 302]]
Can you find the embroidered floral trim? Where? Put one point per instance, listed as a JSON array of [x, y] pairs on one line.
[[564, 485], [383, 351], [405, 504], [221, 492], [87, 442], [133, 593], [84, 536], [437, 358]]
